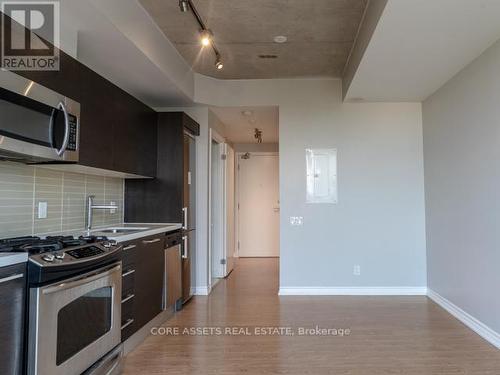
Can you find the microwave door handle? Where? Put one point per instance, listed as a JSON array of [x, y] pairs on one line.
[[64, 146]]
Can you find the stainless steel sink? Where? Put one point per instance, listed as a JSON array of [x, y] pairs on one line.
[[117, 231], [121, 230]]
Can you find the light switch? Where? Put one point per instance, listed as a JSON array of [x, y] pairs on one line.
[[42, 210], [356, 270], [113, 210], [296, 220]]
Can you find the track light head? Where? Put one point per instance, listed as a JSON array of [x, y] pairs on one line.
[[206, 38], [218, 64], [184, 5]]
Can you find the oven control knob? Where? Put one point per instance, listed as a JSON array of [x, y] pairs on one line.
[[48, 258], [107, 245], [60, 256]]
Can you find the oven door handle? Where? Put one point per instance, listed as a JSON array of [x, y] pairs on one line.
[[80, 280]]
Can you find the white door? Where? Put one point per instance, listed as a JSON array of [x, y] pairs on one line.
[[230, 205], [258, 198]]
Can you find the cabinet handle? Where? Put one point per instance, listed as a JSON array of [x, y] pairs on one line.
[[130, 247], [185, 218], [129, 322], [128, 298], [148, 242], [10, 278], [128, 273], [185, 247]]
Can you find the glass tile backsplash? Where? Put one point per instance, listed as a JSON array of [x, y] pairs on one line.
[[22, 187]]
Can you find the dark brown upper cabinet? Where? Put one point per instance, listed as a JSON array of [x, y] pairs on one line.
[[161, 200], [117, 131]]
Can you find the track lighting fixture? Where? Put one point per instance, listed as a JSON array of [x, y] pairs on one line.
[[258, 135], [206, 36], [184, 5]]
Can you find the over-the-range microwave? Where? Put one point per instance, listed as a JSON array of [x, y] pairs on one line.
[[37, 125]]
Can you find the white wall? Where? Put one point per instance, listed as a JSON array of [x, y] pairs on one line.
[[379, 221], [256, 147], [462, 181]]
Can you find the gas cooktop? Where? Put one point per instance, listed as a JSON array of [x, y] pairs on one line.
[[37, 245], [62, 252]]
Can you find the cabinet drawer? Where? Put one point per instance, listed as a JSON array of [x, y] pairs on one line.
[[127, 307], [129, 326], [128, 280], [129, 254]]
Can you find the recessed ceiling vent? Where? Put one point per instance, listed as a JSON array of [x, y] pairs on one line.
[[268, 56]]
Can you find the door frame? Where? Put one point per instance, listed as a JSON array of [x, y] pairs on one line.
[[230, 206], [237, 195], [214, 136]]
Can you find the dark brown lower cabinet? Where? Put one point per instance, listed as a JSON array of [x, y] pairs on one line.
[[142, 282], [12, 314], [149, 279]]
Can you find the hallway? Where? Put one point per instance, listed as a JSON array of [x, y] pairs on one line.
[[388, 335]]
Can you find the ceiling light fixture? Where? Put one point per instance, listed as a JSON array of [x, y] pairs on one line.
[[184, 5], [206, 35], [206, 38], [219, 65], [258, 135], [280, 39], [247, 113]]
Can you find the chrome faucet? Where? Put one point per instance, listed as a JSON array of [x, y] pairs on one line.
[[91, 207]]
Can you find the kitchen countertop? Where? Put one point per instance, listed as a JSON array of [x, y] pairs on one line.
[[9, 259], [143, 230]]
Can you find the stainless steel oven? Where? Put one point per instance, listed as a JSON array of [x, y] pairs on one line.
[[36, 123], [74, 322]]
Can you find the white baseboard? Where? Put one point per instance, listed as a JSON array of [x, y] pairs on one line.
[[353, 291], [477, 326], [201, 291]]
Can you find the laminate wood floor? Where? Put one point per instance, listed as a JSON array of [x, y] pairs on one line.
[[389, 335]]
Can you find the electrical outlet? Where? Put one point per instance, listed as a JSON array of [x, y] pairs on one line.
[[113, 210], [356, 270], [42, 210], [296, 220]]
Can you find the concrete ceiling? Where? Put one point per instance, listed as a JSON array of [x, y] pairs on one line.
[[101, 33], [320, 35], [239, 128], [418, 46]]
